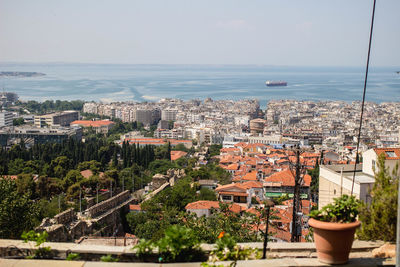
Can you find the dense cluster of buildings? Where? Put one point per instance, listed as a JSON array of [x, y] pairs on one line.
[[328, 125], [334, 124], [206, 121]]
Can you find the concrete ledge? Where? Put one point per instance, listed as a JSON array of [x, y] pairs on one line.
[[283, 254], [255, 263], [358, 246]]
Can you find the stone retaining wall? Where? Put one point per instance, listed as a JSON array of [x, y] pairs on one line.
[[107, 204], [65, 217]]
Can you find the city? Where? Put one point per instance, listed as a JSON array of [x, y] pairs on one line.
[[199, 133]]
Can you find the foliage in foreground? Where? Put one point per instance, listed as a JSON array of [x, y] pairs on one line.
[[343, 210], [108, 258], [228, 250], [380, 217], [179, 244], [17, 212], [38, 251]]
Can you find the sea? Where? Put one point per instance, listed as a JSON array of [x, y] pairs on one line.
[[121, 82]]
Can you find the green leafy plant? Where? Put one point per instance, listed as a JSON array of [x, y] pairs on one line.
[[178, 244], [379, 218], [228, 250], [37, 251], [73, 257], [343, 210], [144, 248], [108, 258]]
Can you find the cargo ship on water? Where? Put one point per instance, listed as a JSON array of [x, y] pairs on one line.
[[276, 83]]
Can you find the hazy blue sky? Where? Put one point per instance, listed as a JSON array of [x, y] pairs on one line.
[[280, 32]]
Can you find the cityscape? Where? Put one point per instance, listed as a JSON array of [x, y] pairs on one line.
[[188, 135]]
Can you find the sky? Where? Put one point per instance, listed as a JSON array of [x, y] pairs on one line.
[[263, 32]]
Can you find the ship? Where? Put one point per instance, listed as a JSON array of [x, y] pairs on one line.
[[276, 83]]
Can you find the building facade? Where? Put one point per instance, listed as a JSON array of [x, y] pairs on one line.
[[56, 119], [6, 119]]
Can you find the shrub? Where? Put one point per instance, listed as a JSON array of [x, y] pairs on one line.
[[228, 250], [38, 251], [343, 210], [73, 257], [179, 244], [108, 258], [380, 217]]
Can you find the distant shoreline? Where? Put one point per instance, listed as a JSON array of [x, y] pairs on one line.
[[20, 74]]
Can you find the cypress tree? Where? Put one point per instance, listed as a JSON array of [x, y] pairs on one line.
[[379, 219]]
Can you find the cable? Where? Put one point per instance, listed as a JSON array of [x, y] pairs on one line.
[[363, 100]]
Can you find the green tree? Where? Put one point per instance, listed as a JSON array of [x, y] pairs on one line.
[[380, 217], [72, 177], [18, 121], [16, 166], [17, 212], [207, 194]]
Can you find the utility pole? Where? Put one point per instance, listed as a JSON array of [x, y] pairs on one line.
[[123, 184], [296, 200], [97, 193], [80, 200], [59, 203], [111, 189]]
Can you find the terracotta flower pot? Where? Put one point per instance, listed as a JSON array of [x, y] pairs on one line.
[[333, 240]]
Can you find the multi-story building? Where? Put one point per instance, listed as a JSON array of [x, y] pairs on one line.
[[392, 159], [6, 119], [56, 119], [98, 126], [257, 126], [169, 114], [38, 135], [336, 180]]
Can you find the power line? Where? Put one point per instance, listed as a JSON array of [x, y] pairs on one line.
[[363, 99]]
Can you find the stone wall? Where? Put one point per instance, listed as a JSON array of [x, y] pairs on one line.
[[65, 217], [107, 204], [158, 180], [92, 200]]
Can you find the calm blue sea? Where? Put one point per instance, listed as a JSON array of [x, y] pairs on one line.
[[110, 82]]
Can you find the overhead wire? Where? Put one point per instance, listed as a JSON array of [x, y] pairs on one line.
[[363, 99]]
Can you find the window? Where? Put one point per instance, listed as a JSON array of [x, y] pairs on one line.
[[226, 198], [373, 164], [391, 154]]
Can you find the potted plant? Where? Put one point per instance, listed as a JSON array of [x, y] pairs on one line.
[[334, 226]]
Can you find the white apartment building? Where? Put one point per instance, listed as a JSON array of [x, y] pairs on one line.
[[267, 140], [335, 180], [56, 119], [370, 159], [6, 119], [169, 114]]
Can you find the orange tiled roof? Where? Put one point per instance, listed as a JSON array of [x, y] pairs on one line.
[[134, 207], [252, 184], [232, 167], [232, 186], [250, 176], [233, 193], [286, 177], [177, 154], [229, 149], [88, 123], [206, 204], [396, 152]]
